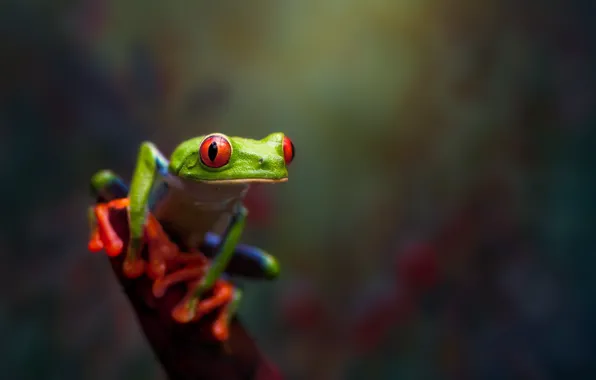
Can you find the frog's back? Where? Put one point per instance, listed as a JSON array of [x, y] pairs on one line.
[[188, 210]]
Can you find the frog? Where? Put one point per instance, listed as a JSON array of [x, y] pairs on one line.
[[193, 199]]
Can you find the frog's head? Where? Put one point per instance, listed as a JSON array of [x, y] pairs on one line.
[[221, 159]]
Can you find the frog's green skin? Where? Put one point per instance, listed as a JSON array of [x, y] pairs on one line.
[[194, 198]]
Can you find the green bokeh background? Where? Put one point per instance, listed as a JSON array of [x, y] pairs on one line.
[[404, 114]]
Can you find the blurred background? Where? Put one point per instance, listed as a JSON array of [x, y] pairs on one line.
[[438, 219]]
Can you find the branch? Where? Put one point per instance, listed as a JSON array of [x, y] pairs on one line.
[[183, 349]]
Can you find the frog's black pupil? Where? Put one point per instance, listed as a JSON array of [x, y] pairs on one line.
[[293, 150], [212, 152]]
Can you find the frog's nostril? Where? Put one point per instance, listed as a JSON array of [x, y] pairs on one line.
[[261, 160]]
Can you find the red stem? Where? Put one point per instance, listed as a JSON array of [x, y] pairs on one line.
[[184, 349]]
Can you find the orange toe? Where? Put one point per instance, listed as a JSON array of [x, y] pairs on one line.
[[222, 294], [220, 328], [95, 243], [112, 243], [133, 268], [183, 313], [156, 268], [119, 204], [114, 247], [161, 285]]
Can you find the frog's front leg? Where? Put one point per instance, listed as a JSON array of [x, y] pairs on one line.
[[111, 191], [150, 163], [192, 307], [247, 261], [103, 236]]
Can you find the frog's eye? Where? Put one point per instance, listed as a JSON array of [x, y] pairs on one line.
[[215, 151], [289, 151]]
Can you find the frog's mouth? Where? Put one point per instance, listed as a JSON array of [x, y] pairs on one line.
[[243, 181]]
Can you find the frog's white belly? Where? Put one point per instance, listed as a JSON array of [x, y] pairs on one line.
[[190, 209]]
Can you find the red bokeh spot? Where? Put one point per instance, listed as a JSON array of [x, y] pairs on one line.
[[377, 321], [417, 266], [301, 309], [370, 329]]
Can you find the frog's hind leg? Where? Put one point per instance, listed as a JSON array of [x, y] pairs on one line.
[[247, 261], [192, 306], [224, 300], [108, 186]]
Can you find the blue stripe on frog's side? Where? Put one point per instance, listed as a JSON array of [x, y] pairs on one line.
[[161, 163], [161, 188], [159, 192]]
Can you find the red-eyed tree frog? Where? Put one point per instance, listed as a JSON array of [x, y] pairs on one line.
[[194, 199]]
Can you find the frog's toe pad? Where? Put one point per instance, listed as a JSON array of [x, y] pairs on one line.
[[220, 328], [114, 247], [105, 232], [184, 313], [133, 268], [95, 244]]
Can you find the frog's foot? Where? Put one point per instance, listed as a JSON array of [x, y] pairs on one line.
[[191, 308], [103, 235], [190, 273], [162, 250]]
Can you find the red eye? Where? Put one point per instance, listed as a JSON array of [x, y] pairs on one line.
[[215, 151], [289, 151]]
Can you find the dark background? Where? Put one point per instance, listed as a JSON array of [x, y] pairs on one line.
[[438, 222]]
